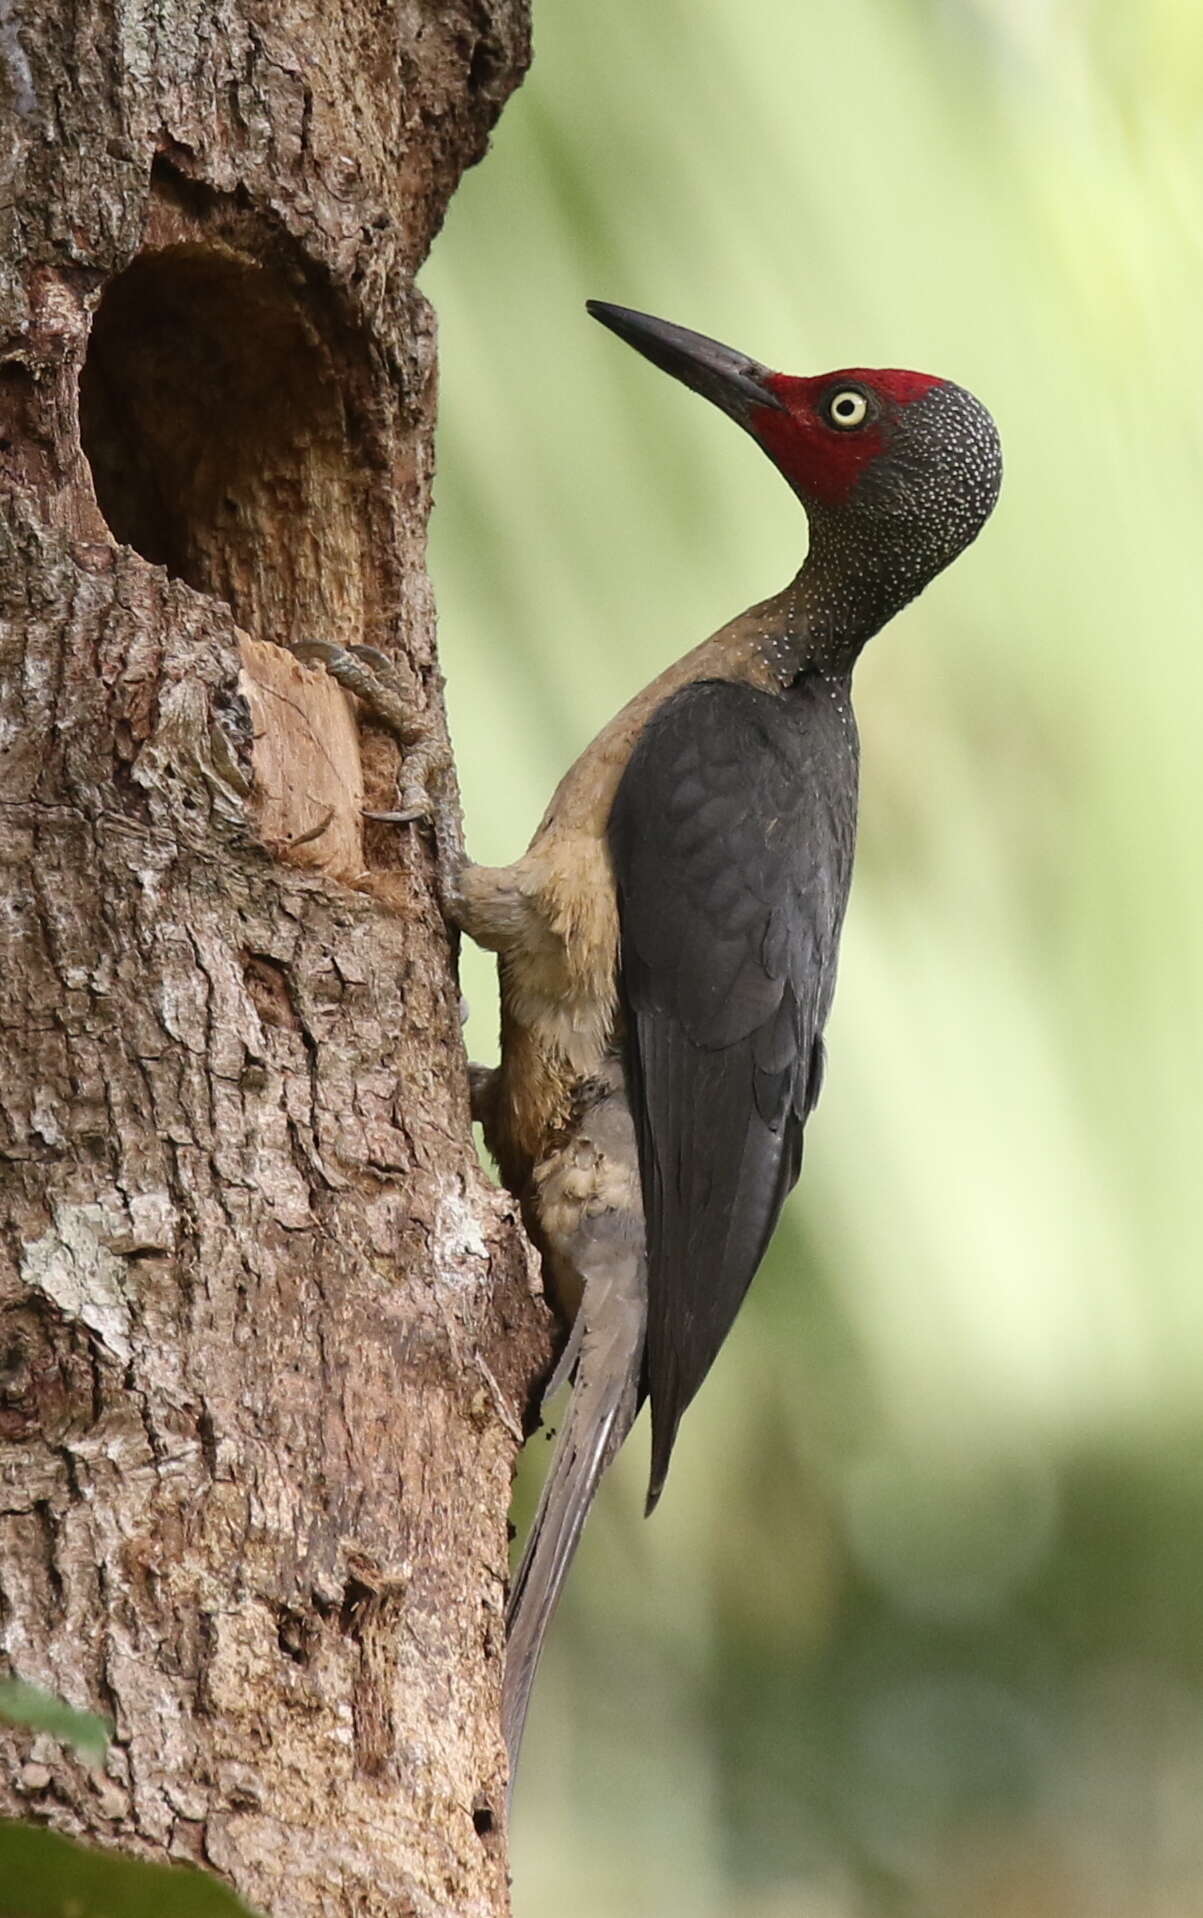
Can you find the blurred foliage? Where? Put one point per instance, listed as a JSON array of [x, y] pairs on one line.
[[85, 1732], [45, 1876], [916, 1629]]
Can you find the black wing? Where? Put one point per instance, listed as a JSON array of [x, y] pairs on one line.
[[731, 837]]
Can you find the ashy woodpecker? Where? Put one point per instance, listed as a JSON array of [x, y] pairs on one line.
[[667, 943]]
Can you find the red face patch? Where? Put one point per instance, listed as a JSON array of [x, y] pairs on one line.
[[821, 457]]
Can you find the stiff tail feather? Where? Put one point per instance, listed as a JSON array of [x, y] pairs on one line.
[[607, 1341]]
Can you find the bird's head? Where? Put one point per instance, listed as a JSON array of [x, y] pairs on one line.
[[898, 471]]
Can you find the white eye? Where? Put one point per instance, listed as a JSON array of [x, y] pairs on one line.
[[847, 408]]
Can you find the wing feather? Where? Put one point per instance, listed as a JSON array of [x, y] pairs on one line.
[[731, 838]]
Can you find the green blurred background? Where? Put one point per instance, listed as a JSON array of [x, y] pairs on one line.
[[917, 1628]]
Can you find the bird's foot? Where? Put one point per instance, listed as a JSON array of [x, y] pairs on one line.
[[389, 690]]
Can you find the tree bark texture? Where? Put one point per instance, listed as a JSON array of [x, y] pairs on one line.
[[265, 1331]]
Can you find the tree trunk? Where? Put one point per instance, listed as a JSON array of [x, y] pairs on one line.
[[265, 1331]]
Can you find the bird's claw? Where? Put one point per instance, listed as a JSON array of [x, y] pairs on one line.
[[386, 686], [413, 802], [416, 803], [388, 689], [322, 649], [372, 656]]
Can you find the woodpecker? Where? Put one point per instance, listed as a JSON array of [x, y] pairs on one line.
[[667, 944]]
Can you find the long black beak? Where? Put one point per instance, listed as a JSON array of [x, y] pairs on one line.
[[720, 374]]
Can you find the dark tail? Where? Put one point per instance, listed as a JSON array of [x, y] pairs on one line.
[[605, 1398]]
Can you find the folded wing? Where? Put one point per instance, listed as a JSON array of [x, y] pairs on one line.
[[731, 837]]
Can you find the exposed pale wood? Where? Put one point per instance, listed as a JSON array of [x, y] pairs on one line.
[[307, 779]]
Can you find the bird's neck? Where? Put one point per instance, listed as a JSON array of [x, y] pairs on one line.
[[845, 592]]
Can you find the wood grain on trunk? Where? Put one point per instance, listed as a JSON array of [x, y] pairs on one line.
[[265, 1330]]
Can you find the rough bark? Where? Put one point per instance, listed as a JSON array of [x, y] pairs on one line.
[[265, 1332]]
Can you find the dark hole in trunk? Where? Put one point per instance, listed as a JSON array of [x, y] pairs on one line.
[[212, 416]]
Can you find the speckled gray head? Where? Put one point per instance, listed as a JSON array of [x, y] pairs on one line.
[[921, 500], [898, 471], [939, 468]]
